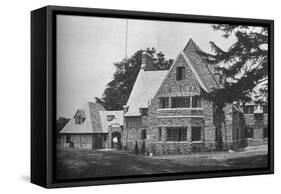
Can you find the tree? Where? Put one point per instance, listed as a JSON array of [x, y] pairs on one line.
[[244, 66], [119, 88]]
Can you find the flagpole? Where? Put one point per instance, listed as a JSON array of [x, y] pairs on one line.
[[126, 41]]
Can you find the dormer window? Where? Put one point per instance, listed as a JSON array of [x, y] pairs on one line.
[[110, 117], [180, 74], [78, 120]]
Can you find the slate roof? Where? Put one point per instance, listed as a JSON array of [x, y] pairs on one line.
[[117, 120], [61, 122], [92, 123], [148, 82], [145, 87]]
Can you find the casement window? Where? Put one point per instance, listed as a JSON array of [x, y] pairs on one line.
[[164, 102], [143, 134], [265, 132], [248, 109], [265, 108], [259, 117], [176, 133], [144, 111], [110, 117], [196, 101], [159, 134], [249, 132], [180, 74], [181, 102], [196, 133], [186, 102], [68, 138]]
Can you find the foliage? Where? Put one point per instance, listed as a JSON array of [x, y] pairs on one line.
[[244, 65], [243, 69], [119, 88]]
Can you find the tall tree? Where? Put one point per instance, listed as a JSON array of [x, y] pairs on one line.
[[119, 88], [244, 66]]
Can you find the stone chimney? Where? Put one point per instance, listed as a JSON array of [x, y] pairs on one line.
[[125, 108], [146, 61]]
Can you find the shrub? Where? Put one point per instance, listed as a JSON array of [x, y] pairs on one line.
[[143, 148], [136, 148]]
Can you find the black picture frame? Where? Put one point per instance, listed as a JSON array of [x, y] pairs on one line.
[[43, 95]]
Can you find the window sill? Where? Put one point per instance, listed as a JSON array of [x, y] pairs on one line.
[[195, 142], [163, 109], [175, 142]]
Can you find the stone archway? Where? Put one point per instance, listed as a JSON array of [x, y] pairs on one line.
[[116, 140]]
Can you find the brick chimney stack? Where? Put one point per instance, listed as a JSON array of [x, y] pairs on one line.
[[146, 61]]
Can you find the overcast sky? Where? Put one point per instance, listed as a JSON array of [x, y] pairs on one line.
[[87, 47]]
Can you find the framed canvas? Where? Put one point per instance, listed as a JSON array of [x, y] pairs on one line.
[[127, 96]]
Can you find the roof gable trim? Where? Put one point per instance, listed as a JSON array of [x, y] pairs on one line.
[[194, 72]]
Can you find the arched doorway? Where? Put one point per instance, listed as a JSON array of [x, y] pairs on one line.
[[116, 140]]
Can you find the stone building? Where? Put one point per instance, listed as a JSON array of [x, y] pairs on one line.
[[255, 123], [165, 109], [92, 127]]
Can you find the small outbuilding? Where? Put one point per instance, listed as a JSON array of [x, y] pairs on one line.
[[92, 127]]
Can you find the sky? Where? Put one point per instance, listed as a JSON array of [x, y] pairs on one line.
[[87, 48]]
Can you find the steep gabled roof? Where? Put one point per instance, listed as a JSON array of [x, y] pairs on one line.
[[204, 71], [92, 123], [61, 122], [145, 87], [117, 119], [148, 82]]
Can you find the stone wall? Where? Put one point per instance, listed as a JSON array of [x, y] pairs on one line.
[[79, 141], [173, 117], [258, 122]]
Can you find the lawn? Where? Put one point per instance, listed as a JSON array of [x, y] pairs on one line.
[[86, 164]]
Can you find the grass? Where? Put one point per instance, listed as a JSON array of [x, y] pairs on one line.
[[90, 164]]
